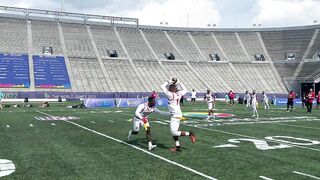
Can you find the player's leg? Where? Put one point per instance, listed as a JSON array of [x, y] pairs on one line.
[[148, 135], [135, 129], [174, 128]]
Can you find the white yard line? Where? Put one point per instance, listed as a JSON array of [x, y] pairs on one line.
[[31, 125], [307, 127], [140, 149], [266, 178], [92, 122], [53, 124], [304, 174]]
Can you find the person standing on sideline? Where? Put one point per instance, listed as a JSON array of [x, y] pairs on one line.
[[231, 97], [193, 96], [310, 98], [248, 99], [265, 100], [290, 102], [254, 103], [226, 97]]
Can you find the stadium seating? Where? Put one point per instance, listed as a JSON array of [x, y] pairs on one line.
[[45, 33], [145, 73], [13, 35], [207, 44], [185, 45], [231, 46], [160, 43], [105, 39], [309, 69], [251, 42], [135, 44], [77, 40], [279, 43], [314, 48]]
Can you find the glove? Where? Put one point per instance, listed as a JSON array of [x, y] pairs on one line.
[[145, 120]]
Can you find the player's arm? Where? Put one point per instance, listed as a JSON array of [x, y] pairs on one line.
[[165, 90], [139, 110], [162, 112], [184, 89]]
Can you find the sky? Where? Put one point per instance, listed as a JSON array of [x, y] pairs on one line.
[[192, 13]]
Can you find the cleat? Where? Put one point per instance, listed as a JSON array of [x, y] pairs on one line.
[[192, 137], [253, 115], [174, 149], [129, 136], [152, 147]]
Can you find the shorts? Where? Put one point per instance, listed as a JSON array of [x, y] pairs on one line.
[[209, 105], [137, 123], [193, 99]]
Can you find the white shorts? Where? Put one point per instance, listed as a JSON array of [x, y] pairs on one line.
[[174, 125], [137, 123], [209, 105]]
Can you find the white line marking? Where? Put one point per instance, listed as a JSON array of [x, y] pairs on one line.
[[266, 178], [53, 124], [307, 127], [111, 121], [92, 122], [241, 135], [31, 125], [8, 126], [140, 149], [304, 174]]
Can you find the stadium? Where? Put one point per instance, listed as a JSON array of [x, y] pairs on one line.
[[95, 71]]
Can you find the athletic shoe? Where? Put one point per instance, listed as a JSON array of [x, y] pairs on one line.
[[192, 137], [129, 136], [152, 147], [174, 149], [253, 115]]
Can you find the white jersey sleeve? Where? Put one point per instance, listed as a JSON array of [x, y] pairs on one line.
[[161, 112], [165, 90], [184, 90], [139, 110]]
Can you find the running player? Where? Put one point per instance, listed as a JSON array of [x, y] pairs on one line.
[[141, 119], [174, 95]]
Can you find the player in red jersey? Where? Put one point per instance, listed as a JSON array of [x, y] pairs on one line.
[[310, 98], [291, 97]]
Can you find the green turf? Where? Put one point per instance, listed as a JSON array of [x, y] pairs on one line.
[[65, 151]]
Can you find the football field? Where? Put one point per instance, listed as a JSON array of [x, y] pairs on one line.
[[61, 143]]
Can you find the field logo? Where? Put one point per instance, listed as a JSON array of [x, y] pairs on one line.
[[57, 118], [283, 142], [203, 115], [6, 167]]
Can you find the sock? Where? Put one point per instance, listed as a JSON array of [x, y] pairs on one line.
[[187, 133], [149, 143], [177, 144]]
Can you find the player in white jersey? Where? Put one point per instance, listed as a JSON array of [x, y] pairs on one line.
[[254, 103], [193, 96], [248, 99], [265, 100], [141, 119], [173, 95], [210, 100]]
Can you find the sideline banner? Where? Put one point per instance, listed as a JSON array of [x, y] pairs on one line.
[[99, 103], [283, 102]]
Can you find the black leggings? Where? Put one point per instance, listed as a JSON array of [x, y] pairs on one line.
[[309, 106]]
